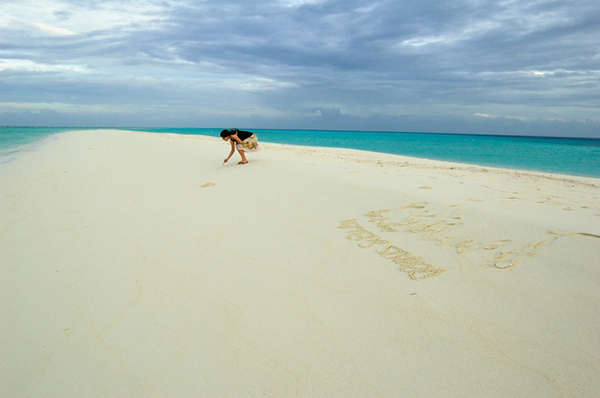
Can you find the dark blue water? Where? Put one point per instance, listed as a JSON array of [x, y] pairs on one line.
[[572, 156]]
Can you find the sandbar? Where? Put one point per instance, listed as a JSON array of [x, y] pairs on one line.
[[135, 265]]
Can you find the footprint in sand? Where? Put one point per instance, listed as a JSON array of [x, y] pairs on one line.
[[419, 205], [209, 184], [497, 244]]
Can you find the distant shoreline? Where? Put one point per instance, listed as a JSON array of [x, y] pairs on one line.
[[151, 129], [567, 156]]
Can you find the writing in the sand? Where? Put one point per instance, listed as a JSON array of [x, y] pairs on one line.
[[446, 230], [416, 267]]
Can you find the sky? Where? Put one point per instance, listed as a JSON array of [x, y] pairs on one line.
[[514, 67]]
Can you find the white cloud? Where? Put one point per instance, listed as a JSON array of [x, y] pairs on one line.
[[298, 3], [30, 66], [61, 17], [66, 108], [263, 84], [453, 34], [42, 29], [487, 116]]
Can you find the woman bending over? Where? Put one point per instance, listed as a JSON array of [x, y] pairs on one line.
[[243, 141]]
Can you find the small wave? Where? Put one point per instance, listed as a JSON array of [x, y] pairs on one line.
[[7, 159], [16, 141]]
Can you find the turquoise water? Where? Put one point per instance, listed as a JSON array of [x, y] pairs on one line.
[[15, 140], [572, 156]]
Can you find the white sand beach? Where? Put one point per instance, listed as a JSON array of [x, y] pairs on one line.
[[135, 265]]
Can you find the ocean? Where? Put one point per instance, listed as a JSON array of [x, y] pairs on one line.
[[572, 156]]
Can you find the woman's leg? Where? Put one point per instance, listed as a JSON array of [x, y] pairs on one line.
[[243, 155]]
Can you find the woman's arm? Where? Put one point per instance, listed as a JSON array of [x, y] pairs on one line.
[[230, 152]]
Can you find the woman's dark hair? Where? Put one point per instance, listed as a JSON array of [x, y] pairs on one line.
[[227, 133]]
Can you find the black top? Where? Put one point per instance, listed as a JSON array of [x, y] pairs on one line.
[[242, 135]]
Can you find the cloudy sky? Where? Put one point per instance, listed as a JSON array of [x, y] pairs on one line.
[[465, 66]]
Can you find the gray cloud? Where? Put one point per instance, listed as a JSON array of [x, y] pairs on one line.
[[386, 65]]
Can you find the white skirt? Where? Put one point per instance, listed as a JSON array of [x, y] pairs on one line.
[[250, 144]]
